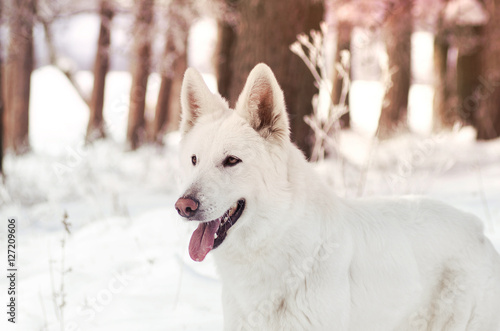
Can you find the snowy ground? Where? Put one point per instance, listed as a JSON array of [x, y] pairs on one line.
[[125, 266]]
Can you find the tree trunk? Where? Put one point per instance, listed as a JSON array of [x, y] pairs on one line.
[[162, 105], [20, 64], [264, 33], [398, 30], [487, 118], [443, 115], [168, 108], [226, 37], [141, 62], [344, 30], [468, 71], [95, 128]]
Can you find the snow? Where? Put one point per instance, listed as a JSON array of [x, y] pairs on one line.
[[202, 41], [466, 12], [52, 99], [126, 265], [59, 102], [366, 101], [365, 110], [127, 250]]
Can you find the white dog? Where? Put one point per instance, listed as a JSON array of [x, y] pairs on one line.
[[293, 256]]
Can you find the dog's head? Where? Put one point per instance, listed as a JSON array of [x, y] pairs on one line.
[[234, 161]]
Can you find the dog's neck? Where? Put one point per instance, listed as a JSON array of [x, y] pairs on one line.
[[300, 244]]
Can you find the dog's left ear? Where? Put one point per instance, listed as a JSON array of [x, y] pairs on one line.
[[263, 105], [197, 100]]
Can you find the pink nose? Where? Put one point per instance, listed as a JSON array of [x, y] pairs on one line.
[[186, 207]]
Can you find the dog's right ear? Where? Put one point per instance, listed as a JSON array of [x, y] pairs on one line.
[[197, 100], [262, 104]]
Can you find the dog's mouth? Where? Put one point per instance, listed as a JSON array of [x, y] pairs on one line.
[[209, 235]]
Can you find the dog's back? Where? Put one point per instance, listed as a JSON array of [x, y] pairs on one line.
[[427, 254]]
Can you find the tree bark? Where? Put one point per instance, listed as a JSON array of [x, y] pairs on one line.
[[398, 30], [162, 105], [168, 108], [95, 128], [468, 71], [344, 31], [444, 116], [20, 66], [226, 37], [487, 118], [141, 62], [264, 33]]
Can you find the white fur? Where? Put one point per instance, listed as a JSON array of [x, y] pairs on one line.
[[301, 258]]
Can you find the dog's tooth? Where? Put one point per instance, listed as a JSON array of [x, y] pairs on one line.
[[233, 209]]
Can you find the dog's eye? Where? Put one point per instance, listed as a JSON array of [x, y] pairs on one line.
[[193, 160], [231, 161]]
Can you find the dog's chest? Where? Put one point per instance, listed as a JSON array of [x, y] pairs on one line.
[[269, 303]]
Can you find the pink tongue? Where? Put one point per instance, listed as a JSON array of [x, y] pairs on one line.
[[202, 240]]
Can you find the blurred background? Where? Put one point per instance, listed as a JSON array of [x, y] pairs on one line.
[[446, 48], [386, 97]]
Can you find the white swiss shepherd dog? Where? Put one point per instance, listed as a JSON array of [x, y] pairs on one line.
[[294, 256]]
